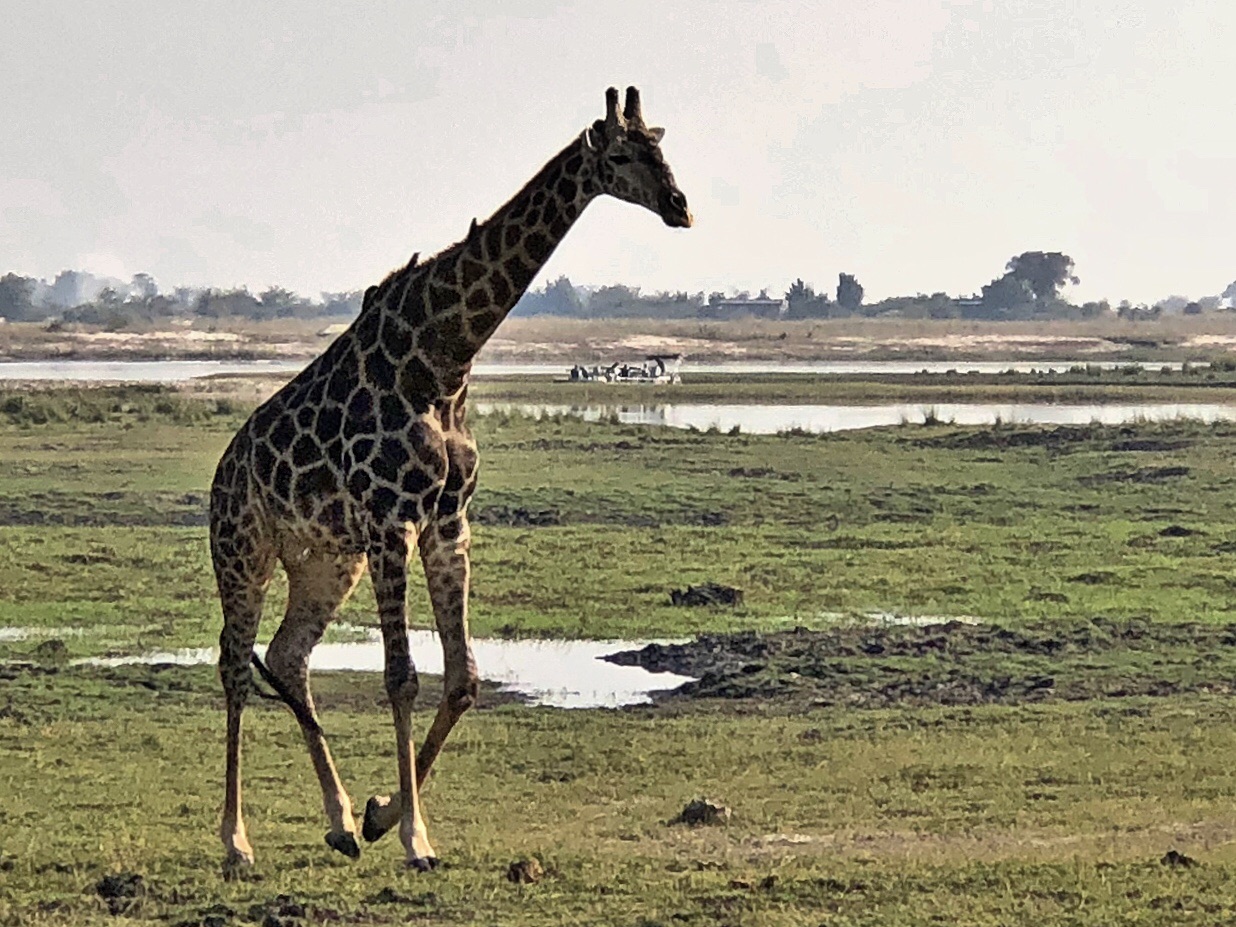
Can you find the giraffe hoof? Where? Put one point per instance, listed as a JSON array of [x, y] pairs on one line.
[[237, 866], [373, 828], [423, 863], [345, 843]]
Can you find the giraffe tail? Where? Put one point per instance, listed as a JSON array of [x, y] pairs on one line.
[[299, 708]]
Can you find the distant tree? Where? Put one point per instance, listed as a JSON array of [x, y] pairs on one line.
[[66, 289], [1044, 272], [1193, 308], [803, 302], [849, 293], [941, 306], [558, 297], [144, 286], [799, 291], [1007, 295], [563, 297], [1094, 310], [218, 304], [342, 304], [17, 298], [616, 300], [276, 302], [109, 298]]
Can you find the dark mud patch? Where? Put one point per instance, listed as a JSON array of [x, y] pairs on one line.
[[707, 595], [1140, 475], [762, 473], [1152, 445], [952, 664], [1063, 439], [516, 517], [101, 509]]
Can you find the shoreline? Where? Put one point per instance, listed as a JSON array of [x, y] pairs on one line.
[[571, 341]]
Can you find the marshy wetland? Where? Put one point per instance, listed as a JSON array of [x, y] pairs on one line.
[[981, 674]]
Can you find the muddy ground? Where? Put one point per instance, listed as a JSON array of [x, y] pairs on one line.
[[955, 663]]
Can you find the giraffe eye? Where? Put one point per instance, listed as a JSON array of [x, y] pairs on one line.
[[620, 159]]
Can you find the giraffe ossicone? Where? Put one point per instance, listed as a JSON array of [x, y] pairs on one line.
[[367, 454]]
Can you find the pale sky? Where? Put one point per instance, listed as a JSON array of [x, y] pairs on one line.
[[915, 143]]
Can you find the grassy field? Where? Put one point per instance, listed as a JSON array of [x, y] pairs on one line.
[[984, 816], [583, 529], [1108, 554]]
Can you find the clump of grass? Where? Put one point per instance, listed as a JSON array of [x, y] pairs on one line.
[[92, 406]]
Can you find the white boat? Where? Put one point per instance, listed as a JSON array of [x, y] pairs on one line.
[[656, 368]]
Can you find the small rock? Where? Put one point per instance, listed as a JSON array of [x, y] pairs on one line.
[[121, 891], [525, 871], [1177, 531], [706, 594], [1178, 860], [121, 885], [701, 811], [52, 652], [388, 896]]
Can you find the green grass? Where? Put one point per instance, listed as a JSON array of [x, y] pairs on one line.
[[581, 530], [843, 814], [985, 816]]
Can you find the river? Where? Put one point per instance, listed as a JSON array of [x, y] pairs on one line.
[[176, 371]]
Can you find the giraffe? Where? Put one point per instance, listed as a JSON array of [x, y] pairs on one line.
[[367, 453]]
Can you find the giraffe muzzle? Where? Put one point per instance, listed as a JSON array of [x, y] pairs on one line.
[[674, 210]]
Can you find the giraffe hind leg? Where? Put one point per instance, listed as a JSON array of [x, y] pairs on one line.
[[242, 588], [317, 586]]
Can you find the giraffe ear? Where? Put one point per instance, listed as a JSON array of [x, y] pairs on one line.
[[589, 139], [656, 134]]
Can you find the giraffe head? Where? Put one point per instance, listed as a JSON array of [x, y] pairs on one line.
[[629, 163]]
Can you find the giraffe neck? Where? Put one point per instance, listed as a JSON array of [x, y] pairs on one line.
[[454, 302]]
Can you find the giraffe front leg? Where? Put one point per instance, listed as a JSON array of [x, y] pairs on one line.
[[388, 566]]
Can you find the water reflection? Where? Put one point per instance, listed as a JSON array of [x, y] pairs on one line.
[[771, 419], [139, 371], [554, 673]]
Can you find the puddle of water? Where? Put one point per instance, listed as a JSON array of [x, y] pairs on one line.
[[11, 635], [917, 621], [139, 371], [557, 674], [771, 419]]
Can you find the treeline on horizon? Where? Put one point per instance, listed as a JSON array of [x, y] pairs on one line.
[[1029, 289]]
